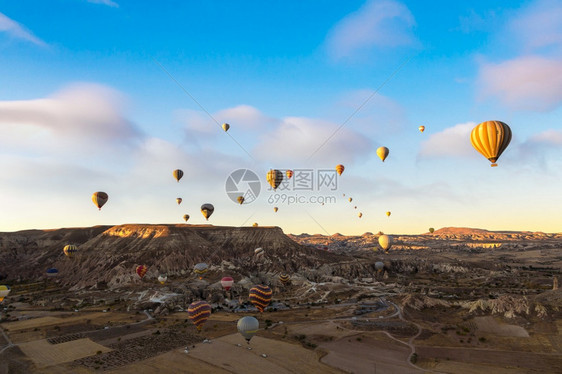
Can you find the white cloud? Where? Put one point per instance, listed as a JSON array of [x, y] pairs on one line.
[[453, 141], [297, 138], [524, 83], [548, 137], [533, 80], [105, 2], [81, 118], [16, 30], [244, 116], [382, 23]]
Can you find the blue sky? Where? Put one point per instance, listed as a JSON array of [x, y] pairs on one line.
[[85, 105]]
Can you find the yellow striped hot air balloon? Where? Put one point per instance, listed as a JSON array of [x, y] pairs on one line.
[[69, 250], [240, 200], [421, 128], [141, 270], [260, 296], [200, 269], [284, 278], [177, 174], [248, 327], [340, 168], [207, 210], [99, 199], [491, 138], [199, 312], [274, 178], [289, 174]]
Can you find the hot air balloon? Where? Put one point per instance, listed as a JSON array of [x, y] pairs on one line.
[[99, 198], [185, 217], [227, 282], [200, 269], [162, 278], [355, 207], [207, 210], [491, 138], [69, 250], [350, 199], [360, 215], [199, 312], [248, 327], [431, 230], [179, 200], [141, 270], [240, 200], [274, 178], [284, 278], [260, 296], [421, 128], [177, 174], [388, 214], [4, 291], [382, 152], [340, 168], [225, 127], [385, 241], [379, 266], [52, 272], [255, 224], [275, 209], [289, 174], [258, 252]]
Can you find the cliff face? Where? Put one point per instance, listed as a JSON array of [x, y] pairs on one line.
[[110, 254]]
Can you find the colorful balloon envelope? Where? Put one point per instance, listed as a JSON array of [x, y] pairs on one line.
[[99, 199], [340, 168], [260, 296], [379, 266], [258, 252], [491, 138], [289, 174], [421, 128], [69, 250], [275, 209], [225, 127], [207, 210], [431, 230], [255, 224], [240, 200], [360, 215], [4, 291], [382, 152], [186, 217], [200, 269], [248, 327], [227, 282], [178, 174], [52, 272], [162, 278], [274, 178], [284, 278], [350, 199], [388, 214], [141, 270], [199, 312], [385, 241], [179, 200]]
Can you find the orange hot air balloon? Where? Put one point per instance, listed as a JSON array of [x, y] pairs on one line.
[[289, 174], [177, 174], [388, 214], [179, 200], [260, 296], [141, 270], [340, 168], [99, 198], [199, 312], [240, 199], [491, 138], [421, 128], [275, 209], [382, 152], [274, 178]]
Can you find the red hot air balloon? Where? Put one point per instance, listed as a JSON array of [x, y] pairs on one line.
[[227, 282], [141, 270]]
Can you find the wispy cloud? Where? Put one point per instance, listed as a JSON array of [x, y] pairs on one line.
[[378, 23], [105, 2], [533, 80], [18, 31], [453, 141]]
